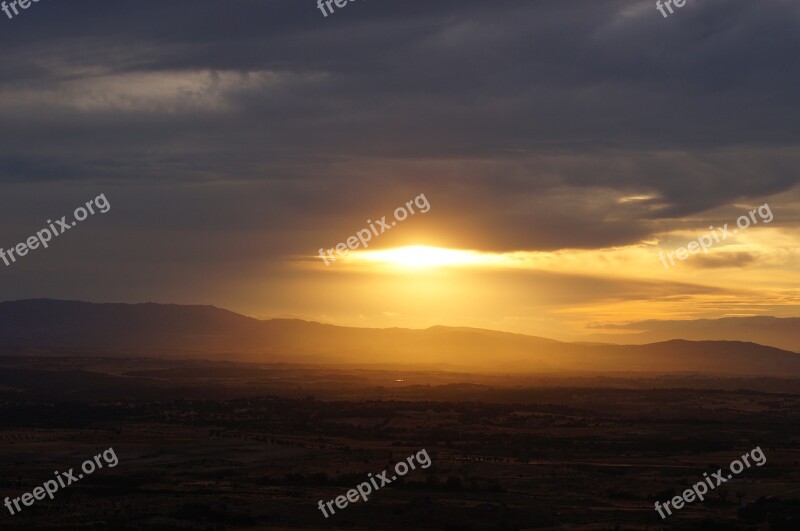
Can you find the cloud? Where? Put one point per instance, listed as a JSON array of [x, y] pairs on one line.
[[724, 260], [253, 131]]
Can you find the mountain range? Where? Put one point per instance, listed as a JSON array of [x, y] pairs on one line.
[[783, 333], [82, 328]]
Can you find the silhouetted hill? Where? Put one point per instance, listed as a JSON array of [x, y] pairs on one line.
[[783, 333], [56, 323], [156, 329]]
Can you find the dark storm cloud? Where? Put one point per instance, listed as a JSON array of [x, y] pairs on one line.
[[523, 121]]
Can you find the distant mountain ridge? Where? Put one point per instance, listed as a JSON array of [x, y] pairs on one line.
[[156, 329], [778, 332]]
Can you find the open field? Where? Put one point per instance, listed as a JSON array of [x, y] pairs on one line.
[[557, 456]]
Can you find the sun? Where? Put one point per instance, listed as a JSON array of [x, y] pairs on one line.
[[421, 256]]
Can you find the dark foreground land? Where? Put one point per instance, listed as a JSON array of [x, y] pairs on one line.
[[212, 446]]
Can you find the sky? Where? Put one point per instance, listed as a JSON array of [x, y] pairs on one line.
[[560, 145]]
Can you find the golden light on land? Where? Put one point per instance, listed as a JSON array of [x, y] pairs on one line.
[[421, 256]]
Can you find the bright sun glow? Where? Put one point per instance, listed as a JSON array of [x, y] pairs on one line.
[[419, 256]]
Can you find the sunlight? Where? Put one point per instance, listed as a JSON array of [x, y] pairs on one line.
[[420, 256]]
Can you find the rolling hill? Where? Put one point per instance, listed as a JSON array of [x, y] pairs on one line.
[[83, 328], [783, 333]]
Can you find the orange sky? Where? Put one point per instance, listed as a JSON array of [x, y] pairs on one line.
[[561, 147], [554, 294]]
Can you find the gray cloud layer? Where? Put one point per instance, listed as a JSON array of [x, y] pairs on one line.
[[522, 121]]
